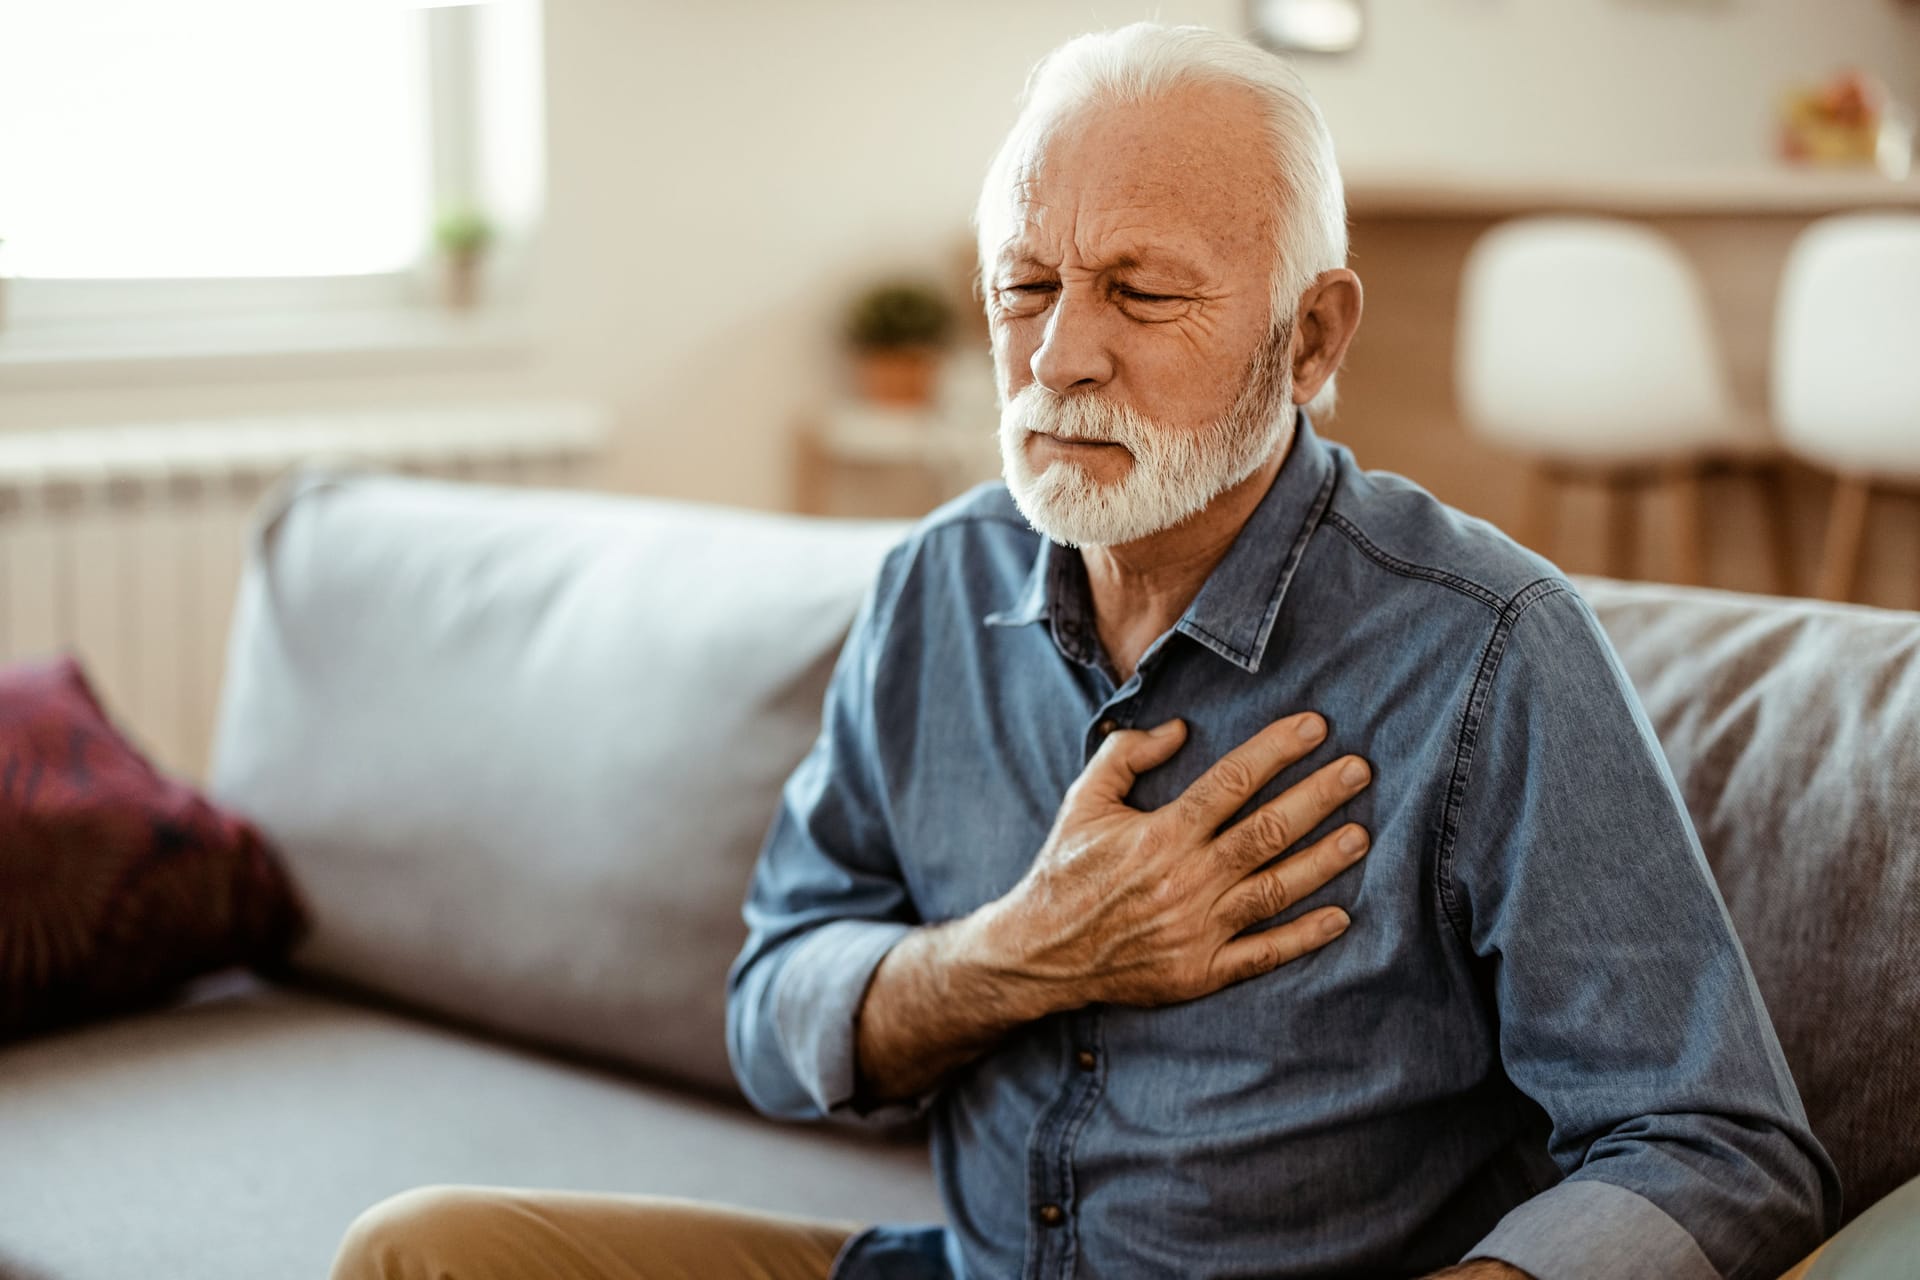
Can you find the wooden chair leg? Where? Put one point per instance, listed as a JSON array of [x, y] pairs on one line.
[[1840, 561], [1689, 550], [1623, 525], [1537, 522], [1778, 514]]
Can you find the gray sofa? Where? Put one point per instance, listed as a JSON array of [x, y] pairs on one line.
[[518, 749]]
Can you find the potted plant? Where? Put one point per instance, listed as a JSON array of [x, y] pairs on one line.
[[463, 235], [896, 330]]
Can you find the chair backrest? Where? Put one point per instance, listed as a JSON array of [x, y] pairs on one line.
[[1846, 354], [1587, 338], [1793, 729]]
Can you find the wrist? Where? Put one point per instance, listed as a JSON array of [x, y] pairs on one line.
[[989, 945]]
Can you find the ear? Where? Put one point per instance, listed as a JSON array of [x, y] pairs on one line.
[[1324, 324]]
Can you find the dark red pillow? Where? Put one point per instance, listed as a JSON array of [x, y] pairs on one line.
[[116, 884]]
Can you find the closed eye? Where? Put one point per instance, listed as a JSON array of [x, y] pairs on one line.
[[1136, 295], [1028, 298]]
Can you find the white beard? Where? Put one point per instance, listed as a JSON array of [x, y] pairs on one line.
[[1175, 472]]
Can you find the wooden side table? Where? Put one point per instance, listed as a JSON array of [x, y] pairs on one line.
[[918, 458]]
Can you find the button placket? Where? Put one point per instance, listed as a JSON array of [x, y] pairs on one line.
[[1053, 1242], [1113, 716], [1082, 1089]]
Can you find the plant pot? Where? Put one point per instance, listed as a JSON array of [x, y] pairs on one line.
[[902, 376], [462, 278]]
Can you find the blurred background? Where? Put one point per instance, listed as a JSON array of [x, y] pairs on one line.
[[720, 252]]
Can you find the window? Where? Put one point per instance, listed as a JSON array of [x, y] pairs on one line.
[[173, 172]]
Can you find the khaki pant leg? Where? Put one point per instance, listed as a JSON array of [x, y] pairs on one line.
[[1805, 1265], [513, 1233]]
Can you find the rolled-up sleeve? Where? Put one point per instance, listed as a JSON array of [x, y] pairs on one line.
[[826, 903], [1587, 1229], [1626, 1006]]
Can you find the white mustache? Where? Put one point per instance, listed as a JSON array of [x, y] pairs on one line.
[[1076, 439], [1077, 418]]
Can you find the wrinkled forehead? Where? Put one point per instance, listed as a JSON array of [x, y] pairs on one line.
[[1193, 168]]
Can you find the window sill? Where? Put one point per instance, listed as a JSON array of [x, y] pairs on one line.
[[279, 344]]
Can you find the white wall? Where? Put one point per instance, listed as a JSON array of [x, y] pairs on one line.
[[723, 173], [1603, 85]]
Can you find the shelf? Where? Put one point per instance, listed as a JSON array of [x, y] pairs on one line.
[[1760, 191]]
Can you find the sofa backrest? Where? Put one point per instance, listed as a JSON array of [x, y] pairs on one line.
[[519, 749], [1793, 728]]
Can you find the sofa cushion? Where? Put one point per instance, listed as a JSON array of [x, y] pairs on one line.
[[1794, 730], [235, 1137], [520, 748], [1880, 1244], [116, 883]]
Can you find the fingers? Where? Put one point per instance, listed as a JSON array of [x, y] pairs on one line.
[[1217, 794], [1263, 952], [1125, 755], [1269, 892], [1285, 820]]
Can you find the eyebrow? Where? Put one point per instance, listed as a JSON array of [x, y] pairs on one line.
[[1018, 258], [1153, 259]]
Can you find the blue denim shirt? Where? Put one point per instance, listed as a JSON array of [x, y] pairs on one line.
[[1539, 1041]]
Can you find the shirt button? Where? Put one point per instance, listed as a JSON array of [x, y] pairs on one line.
[[1107, 726], [1086, 1060], [1052, 1214]]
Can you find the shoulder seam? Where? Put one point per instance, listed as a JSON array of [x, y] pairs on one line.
[[977, 517], [1407, 569], [964, 516], [1470, 721]]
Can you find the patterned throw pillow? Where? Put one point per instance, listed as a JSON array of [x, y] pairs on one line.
[[116, 883]]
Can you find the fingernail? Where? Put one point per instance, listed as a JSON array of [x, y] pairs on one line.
[[1355, 773], [1312, 729], [1334, 925], [1353, 842], [1164, 730]]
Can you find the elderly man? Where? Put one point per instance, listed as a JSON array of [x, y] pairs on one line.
[[1250, 866]]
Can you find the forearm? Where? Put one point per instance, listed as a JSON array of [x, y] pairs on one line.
[[939, 999], [1481, 1269]]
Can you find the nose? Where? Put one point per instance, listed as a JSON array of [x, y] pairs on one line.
[[1073, 352]]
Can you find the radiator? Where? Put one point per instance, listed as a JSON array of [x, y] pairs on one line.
[[124, 545]]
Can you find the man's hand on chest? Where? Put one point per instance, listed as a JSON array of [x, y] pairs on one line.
[[1125, 907], [1121, 906]]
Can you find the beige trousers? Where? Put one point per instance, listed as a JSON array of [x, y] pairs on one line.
[[476, 1233], [479, 1233]]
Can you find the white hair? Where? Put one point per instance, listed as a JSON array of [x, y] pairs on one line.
[[1146, 61]]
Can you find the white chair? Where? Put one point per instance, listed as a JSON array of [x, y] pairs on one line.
[[1585, 345], [1846, 369]]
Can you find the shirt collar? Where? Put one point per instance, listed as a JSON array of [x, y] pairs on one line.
[[1235, 611]]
